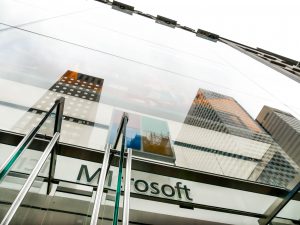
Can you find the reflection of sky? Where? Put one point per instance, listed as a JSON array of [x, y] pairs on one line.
[[133, 133], [139, 130], [148, 77], [156, 126], [133, 137]]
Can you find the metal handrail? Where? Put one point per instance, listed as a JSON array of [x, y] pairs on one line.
[[15, 205], [122, 153], [100, 187], [107, 160], [126, 202], [25, 142]]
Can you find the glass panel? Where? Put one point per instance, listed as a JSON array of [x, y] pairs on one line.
[[147, 205], [291, 211], [289, 214], [2, 27], [31, 204], [107, 209], [221, 138], [76, 202], [68, 204]]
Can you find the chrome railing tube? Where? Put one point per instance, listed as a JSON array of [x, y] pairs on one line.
[[24, 143], [100, 187], [15, 205], [126, 202]]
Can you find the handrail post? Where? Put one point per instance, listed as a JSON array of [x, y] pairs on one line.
[[126, 202], [100, 187], [119, 182], [107, 160], [57, 128], [119, 132]]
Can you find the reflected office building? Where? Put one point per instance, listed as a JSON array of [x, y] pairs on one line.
[[230, 142], [82, 93], [284, 128]]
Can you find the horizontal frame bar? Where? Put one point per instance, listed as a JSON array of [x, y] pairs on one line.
[[95, 155]]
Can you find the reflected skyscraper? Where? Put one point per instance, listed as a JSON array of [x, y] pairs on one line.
[[82, 93], [284, 128], [230, 142]]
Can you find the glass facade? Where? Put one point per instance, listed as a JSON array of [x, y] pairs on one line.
[[199, 154], [230, 142]]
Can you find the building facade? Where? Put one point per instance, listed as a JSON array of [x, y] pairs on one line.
[[230, 142], [284, 65], [186, 98], [284, 128]]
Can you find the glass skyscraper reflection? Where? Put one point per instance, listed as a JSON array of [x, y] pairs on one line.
[[229, 142]]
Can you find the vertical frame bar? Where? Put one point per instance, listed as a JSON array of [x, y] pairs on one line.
[[100, 187], [57, 128], [126, 203]]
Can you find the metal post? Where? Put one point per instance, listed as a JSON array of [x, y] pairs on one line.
[[15, 205], [100, 187], [126, 203], [57, 128], [59, 114], [119, 132], [119, 182]]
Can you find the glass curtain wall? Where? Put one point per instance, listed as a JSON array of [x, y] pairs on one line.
[[192, 103]]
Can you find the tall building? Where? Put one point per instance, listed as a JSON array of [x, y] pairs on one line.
[[284, 128], [230, 142], [82, 93]]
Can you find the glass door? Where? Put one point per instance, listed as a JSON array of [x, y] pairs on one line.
[[70, 203]]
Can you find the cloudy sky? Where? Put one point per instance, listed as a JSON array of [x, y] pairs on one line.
[[154, 66], [269, 24]]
